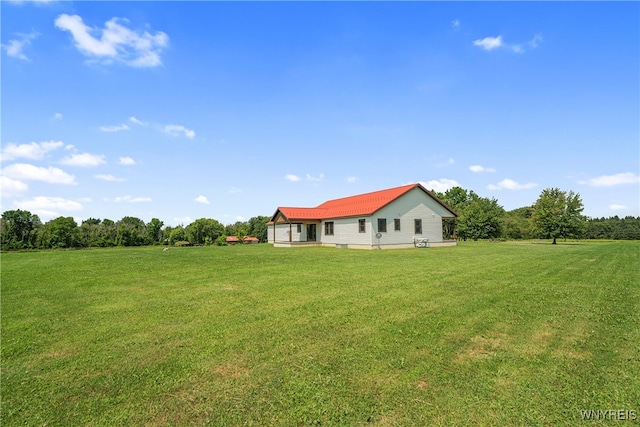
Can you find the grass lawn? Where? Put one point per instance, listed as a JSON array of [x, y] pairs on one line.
[[478, 334]]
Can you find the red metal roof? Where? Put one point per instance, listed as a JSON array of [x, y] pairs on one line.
[[361, 204]]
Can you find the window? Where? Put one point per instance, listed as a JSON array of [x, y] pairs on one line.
[[328, 228], [396, 224], [361, 226], [382, 225], [299, 228], [418, 226]]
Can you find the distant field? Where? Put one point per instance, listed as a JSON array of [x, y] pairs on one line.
[[478, 334]]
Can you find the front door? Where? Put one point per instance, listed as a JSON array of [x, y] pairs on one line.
[[311, 232]]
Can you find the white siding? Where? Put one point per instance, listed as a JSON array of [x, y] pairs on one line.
[[346, 231], [415, 204]]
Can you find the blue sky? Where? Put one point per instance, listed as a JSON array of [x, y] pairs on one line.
[[226, 110]]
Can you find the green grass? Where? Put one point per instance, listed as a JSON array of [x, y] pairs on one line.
[[478, 334]]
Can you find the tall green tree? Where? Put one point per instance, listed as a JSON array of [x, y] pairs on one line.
[[480, 217], [258, 227], [558, 214], [132, 231], [154, 230], [90, 232], [61, 232], [19, 229], [201, 229]]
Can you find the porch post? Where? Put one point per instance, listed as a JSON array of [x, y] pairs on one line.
[[289, 231]]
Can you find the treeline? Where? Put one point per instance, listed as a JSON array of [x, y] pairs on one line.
[[556, 214], [21, 229]]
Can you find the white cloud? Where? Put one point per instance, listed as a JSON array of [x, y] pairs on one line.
[[45, 206], [126, 161], [84, 160], [479, 169], [203, 200], [115, 42], [617, 207], [115, 128], [185, 220], [11, 187], [57, 116], [489, 43], [509, 184], [176, 130], [535, 41], [292, 178], [131, 199], [441, 185], [15, 47], [352, 179], [33, 151], [110, 178], [455, 24], [235, 190], [136, 121], [612, 180], [315, 179], [25, 171]]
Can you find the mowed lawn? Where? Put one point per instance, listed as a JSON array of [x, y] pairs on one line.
[[478, 334]]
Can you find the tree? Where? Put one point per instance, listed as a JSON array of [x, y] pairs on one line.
[[480, 217], [90, 232], [131, 232], [202, 228], [19, 229], [258, 227], [61, 232], [517, 223], [154, 230], [557, 214]]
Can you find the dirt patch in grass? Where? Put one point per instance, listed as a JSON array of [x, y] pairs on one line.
[[481, 347], [231, 370]]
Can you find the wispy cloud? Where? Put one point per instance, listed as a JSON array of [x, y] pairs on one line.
[[617, 207], [12, 187], [315, 178], [28, 172], [203, 200], [126, 161], [612, 180], [136, 121], [352, 179], [32, 151], [110, 178], [84, 160], [441, 185], [57, 116], [455, 24], [480, 169], [292, 178], [510, 184], [115, 42], [235, 190], [131, 199], [15, 48], [491, 43], [46, 206], [115, 128], [177, 130]]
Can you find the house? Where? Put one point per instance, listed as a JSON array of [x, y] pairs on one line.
[[399, 217], [232, 240]]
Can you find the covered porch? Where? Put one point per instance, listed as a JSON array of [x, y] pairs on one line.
[[292, 230]]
